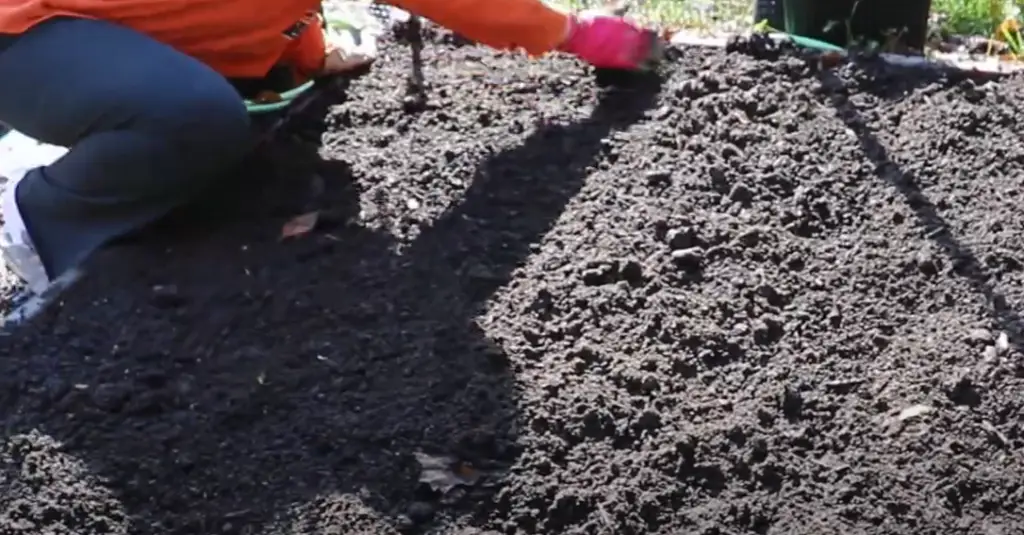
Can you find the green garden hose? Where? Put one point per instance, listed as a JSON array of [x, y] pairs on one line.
[[814, 43], [289, 96], [286, 99]]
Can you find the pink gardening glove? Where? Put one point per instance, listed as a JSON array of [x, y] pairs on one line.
[[608, 42]]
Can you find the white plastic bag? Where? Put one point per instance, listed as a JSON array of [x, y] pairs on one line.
[[19, 154]]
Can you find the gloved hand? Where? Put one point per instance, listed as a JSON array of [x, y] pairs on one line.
[[339, 60], [320, 52], [608, 42], [343, 54]]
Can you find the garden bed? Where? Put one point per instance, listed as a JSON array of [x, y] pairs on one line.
[[757, 296]]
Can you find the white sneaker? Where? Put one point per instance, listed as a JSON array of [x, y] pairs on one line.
[[18, 155], [16, 248]]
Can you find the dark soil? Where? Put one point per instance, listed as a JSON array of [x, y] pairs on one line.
[[699, 307]]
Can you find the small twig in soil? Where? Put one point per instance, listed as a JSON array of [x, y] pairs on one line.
[[705, 407], [415, 89], [330, 363], [827, 466], [605, 519], [996, 434], [845, 383]]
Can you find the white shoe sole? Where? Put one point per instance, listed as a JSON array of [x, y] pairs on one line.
[[31, 304], [18, 155]]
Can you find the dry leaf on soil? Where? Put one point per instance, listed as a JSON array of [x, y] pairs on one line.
[[267, 97], [300, 225], [444, 473], [831, 59], [914, 411]]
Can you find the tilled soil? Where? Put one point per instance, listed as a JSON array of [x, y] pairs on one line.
[[760, 296], [9, 286]]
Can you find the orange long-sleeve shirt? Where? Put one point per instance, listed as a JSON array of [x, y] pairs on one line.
[[246, 38]]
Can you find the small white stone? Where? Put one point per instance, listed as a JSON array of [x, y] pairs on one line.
[[1003, 343]]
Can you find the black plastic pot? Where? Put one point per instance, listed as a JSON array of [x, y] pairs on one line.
[[772, 11], [839, 21]]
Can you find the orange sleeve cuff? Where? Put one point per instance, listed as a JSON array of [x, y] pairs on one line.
[[501, 24], [306, 53]]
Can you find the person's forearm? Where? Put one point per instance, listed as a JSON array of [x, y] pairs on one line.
[[501, 24]]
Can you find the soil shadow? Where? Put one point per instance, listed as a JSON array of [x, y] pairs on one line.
[[894, 83], [207, 377], [731, 325]]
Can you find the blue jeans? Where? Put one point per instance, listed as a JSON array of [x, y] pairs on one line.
[[147, 126]]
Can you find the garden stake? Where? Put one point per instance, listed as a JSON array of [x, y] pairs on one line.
[[415, 90]]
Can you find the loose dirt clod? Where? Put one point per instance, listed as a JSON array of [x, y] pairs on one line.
[[300, 225], [443, 473], [914, 411], [838, 234]]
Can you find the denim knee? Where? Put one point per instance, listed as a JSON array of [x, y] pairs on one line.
[[209, 125]]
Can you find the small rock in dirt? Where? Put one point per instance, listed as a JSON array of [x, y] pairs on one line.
[[880, 341], [649, 420], [167, 296], [658, 178], [926, 263], [771, 295], [994, 434], [443, 473], [497, 359], [792, 403], [483, 273], [681, 238], [972, 93], [719, 178], [768, 330], [737, 435], [730, 151], [599, 275], [914, 411], [597, 424], [414, 103], [765, 418], [739, 329], [109, 397], [661, 229], [420, 512], [758, 450], [651, 384], [964, 391], [405, 525], [979, 337], [749, 238], [989, 354], [1003, 343], [741, 193], [54, 388], [632, 272], [453, 496], [690, 258]]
